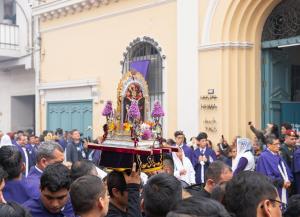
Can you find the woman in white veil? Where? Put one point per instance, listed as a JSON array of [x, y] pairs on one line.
[[244, 160], [5, 140]]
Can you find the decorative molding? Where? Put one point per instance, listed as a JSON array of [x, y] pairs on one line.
[[67, 84], [71, 10], [208, 20], [223, 45], [58, 8]]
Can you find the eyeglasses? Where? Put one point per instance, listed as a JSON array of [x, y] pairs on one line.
[[282, 206]]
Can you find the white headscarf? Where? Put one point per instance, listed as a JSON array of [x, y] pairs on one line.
[[243, 149], [5, 140]]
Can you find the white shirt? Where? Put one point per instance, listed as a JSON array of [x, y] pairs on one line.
[[26, 161], [186, 164]]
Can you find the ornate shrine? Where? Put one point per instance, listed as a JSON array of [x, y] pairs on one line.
[[132, 134]]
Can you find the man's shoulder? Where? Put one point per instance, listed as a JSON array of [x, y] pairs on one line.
[[113, 211], [32, 204]]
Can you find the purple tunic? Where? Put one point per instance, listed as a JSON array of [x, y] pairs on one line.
[[188, 152], [32, 183], [210, 155], [14, 190], [296, 169], [241, 165], [268, 163], [37, 209]]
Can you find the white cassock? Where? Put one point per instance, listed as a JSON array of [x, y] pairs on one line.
[[186, 164]]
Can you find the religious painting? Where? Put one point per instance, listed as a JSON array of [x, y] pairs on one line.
[[134, 92], [133, 87]]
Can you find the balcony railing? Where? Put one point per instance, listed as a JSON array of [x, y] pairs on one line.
[[9, 36]]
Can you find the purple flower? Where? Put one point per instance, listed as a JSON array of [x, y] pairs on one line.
[[157, 111], [134, 111], [108, 110], [147, 134]]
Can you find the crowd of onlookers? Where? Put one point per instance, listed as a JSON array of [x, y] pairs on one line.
[[56, 175]]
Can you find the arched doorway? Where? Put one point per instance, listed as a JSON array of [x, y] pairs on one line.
[[281, 65], [144, 55]]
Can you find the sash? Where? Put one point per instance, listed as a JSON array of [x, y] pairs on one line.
[[285, 177]]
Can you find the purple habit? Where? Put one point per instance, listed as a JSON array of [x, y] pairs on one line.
[[14, 190], [37, 209], [210, 155], [188, 152], [268, 163], [32, 183], [296, 169]]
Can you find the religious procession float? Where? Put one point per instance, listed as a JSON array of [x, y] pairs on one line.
[[133, 133]]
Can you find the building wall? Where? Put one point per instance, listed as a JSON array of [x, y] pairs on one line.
[[229, 56], [15, 82], [97, 45]]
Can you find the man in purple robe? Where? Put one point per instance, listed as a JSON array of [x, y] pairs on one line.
[[26, 152], [203, 156], [11, 161], [47, 153], [54, 197], [296, 170], [272, 165], [180, 142]]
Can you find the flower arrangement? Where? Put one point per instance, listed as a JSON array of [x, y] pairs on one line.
[[108, 110], [127, 126], [157, 111], [156, 114], [147, 134], [134, 111], [146, 131]]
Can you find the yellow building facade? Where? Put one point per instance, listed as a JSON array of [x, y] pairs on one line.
[[210, 70]]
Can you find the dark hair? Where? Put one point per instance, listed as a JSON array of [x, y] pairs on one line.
[[12, 209], [30, 136], [46, 149], [218, 193], [270, 139], [168, 160], [11, 161], [293, 208], [161, 193], [19, 137], [3, 174], [59, 131], [275, 130], [178, 133], [287, 126], [215, 170], [84, 192], [116, 180], [82, 168], [198, 206], [171, 142], [74, 130], [245, 191], [56, 177], [20, 131]]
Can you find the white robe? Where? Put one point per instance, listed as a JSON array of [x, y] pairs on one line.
[[186, 164]]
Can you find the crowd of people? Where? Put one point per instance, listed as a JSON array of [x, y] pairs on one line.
[[56, 175]]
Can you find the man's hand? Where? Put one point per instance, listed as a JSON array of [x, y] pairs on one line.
[[182, 172], [286, 185], [134, 177]]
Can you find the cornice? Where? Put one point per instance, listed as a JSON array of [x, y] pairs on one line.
[[223, 45], [68, 84], [58, 8]]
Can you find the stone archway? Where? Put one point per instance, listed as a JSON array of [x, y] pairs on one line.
[[235, 44]]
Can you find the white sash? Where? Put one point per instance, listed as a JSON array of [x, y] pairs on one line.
[[285, 177]]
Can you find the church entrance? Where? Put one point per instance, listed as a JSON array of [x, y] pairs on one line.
[[281, 65]]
